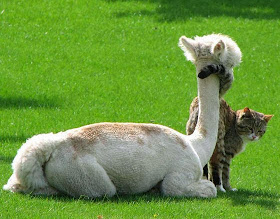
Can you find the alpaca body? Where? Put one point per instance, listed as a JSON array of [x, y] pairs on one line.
[[127, 158], [105, 158], [133, 157]]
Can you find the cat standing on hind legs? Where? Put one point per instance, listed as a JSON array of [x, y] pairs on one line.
[[236, 129]]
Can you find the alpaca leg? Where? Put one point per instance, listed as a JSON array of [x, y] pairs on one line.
[[178, 184], [14, 185], [81, 176], [28, 177], [28, 165]]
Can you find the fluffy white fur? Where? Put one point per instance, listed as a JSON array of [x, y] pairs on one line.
[[222, 48], [128, 158]]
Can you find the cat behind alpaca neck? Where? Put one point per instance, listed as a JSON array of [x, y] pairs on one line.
[[236, 129]]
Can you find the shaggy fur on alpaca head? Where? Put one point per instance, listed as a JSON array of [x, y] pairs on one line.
[[228, 55], [221, 50]]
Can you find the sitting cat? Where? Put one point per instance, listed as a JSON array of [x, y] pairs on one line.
[[236, 129]]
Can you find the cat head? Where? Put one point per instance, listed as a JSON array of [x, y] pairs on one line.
[[251, 125], [211, 49]]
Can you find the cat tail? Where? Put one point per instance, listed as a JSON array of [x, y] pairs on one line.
[[28, 175]]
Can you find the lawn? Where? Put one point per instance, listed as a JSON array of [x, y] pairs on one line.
[[69, 63]]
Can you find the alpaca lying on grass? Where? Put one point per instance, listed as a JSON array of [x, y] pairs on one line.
[[128, 158]]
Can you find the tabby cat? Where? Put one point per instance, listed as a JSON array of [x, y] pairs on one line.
[[236, 128]]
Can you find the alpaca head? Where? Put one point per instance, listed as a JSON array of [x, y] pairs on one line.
[[213, 53], [211, 49]]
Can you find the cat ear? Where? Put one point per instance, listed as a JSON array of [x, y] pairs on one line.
[[267, 117], [189, 47], [246, 112], [218, 48]]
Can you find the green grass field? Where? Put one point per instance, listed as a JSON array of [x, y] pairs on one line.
[[67, 63]]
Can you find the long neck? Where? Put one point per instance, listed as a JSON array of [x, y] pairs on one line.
[[205, 135]]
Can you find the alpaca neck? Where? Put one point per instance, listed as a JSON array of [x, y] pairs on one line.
[[205, 135]]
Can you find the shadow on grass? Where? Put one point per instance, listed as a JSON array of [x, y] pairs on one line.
[[145, 197], [180, 10], [242, 197], [246, 197], [22, 102]]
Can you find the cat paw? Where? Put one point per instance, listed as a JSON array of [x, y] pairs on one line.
[[211, 69], [228, 188], [220, 188], [233, 189]]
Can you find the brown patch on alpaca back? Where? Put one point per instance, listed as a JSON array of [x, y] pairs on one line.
[[140, 141], [150, 130], [181, 142], [90, 134], [87, 136], [82, 137]]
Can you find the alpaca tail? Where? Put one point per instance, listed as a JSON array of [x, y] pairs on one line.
[[28, 175]]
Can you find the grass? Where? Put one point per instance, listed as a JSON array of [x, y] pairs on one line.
[[69, 63]]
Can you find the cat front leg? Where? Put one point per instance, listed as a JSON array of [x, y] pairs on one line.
[[216, 176], [216, 168], [226, 173]]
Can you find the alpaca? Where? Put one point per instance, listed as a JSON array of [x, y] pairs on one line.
[[127, 158]]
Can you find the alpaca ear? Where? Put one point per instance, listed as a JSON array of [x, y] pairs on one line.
[[246, 112], [267, 117], [188, 46], [219, 48]]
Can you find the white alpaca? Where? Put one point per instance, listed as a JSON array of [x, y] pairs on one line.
[[129, 158]]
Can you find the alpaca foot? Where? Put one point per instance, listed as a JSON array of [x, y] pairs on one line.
[[14, 188], [220, 188], [13, 185], [178, 184], [202, 189]]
